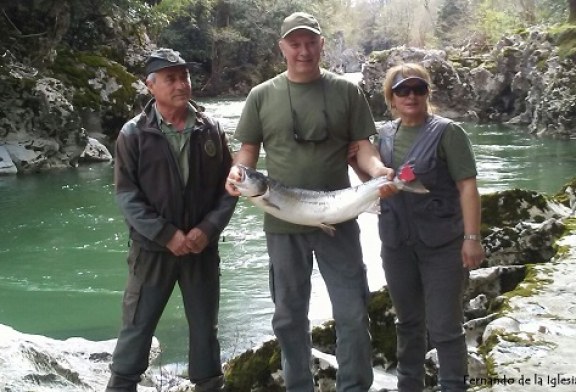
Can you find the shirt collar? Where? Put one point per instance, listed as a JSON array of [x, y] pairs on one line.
[[190, 119]]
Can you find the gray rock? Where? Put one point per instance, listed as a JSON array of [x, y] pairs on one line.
[[7, 166], [40, 364], [95, 152], [536, 337], [32, 362]]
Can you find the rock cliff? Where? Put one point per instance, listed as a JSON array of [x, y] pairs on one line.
[[526, 79], [48, 112]]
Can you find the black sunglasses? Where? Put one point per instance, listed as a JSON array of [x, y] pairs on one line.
[[404, 91], [316, 137]]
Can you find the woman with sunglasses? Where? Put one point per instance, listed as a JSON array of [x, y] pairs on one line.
[[430, 241]]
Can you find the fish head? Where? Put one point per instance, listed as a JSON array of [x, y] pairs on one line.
[[252, 183]]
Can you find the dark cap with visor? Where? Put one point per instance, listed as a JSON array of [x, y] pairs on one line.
[[300, 20], [164, 58], [399, 79]]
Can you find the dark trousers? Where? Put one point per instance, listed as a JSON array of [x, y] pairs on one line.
[[151, 280], [427, 287]]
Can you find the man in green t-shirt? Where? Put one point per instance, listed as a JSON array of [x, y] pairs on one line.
[[305, 118]]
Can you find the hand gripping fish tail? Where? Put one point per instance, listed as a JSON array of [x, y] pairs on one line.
[[406, 180], [317, 208]]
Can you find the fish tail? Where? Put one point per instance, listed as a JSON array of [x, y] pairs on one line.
[[414, 186]]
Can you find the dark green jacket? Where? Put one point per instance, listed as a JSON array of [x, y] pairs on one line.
[[149, 189]]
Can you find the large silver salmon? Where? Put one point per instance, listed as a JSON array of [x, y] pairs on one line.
[[316, 208]]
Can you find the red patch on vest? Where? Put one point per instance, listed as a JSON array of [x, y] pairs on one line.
[[406, 173]]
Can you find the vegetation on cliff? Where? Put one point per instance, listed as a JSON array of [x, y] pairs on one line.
[[234, 42]]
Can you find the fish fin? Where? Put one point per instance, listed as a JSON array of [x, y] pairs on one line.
[[374, 208], [328, 229], [267, 203]]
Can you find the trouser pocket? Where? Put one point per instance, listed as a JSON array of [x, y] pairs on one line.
[[133, 286], [271, 282]]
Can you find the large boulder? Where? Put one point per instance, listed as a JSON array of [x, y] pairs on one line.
[[520, 227], [46, 121], [33, 362], [41, 364]]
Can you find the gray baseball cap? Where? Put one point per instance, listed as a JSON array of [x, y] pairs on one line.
[[400, 78], [164, 58]]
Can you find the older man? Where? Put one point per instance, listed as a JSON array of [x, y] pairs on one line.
[[171, 165]]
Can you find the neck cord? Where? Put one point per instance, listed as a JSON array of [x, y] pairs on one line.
[[290, 97]]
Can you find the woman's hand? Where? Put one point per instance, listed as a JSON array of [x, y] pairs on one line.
[[472, 254], [353, 148]]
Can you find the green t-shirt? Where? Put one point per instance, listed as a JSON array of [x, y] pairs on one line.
[[179, 140], [330, 106], [455, 148]]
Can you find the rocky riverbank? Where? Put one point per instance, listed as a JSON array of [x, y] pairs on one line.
[[531, 347]]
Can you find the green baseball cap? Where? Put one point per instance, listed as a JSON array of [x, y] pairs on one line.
[[164, 58], [300, 20]]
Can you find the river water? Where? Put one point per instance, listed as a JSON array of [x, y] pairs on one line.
[[63, 245]]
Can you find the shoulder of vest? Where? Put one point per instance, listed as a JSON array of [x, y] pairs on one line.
[[388, 126], [443, 121]]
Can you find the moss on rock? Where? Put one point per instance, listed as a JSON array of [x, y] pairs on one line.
[[78, 68], [382, 328], [90, 74], [379, 56], [253, 369], [324, 337], [530, 285], [562, 196], [565, 36], [508, 207]]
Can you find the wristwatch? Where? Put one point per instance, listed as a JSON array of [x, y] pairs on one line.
[[473, 237]]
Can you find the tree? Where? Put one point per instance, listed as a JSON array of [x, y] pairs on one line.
[[36, 30], [31, 30], [451, 18], [571, 11]]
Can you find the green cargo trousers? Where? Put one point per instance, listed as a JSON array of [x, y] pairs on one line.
[[151, 280]]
